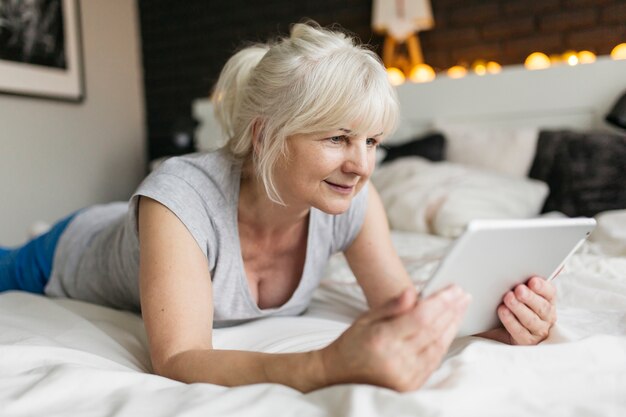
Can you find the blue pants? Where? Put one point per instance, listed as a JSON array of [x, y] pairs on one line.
[[28, 267]]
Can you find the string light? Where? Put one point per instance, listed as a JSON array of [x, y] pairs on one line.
[[422, 73], [570, 57], [479, 67], [457, 71], [586, 57], [493, 67], [396, 76], [536, 61], [619, 52]]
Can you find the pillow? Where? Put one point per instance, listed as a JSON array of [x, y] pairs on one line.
[[610, 232], [504, 150], [442, 197], [429, 146], [586, 172]]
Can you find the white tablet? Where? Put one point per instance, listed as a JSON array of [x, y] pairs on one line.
[[493, 256]]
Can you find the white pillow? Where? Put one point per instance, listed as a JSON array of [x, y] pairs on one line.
[[505, 150], [442, 197], [610, 232]]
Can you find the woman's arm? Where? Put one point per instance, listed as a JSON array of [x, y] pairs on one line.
[[177, 308], [396, 345]]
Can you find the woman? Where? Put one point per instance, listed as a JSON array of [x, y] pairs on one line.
[[243, 233]]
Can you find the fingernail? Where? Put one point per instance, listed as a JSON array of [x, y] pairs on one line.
[[452, 293]]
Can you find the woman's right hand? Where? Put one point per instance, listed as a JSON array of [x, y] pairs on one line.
[[399, 345]]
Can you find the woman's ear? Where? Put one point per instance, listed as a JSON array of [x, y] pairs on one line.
[[257, 134]]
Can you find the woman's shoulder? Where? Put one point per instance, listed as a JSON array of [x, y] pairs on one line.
[[207, 173], [208, 163]]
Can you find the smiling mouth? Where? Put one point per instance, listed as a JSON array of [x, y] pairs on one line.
[[340, 187]]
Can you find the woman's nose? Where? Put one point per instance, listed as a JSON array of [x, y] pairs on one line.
[[357, 161]]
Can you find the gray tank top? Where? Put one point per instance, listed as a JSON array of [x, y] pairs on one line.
[[97, 258]]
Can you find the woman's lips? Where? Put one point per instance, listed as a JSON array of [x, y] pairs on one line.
[[342, 189]]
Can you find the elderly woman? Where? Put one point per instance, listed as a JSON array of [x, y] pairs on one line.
[[243, 233]]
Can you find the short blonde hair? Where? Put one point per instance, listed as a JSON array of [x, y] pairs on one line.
[[314, 80]]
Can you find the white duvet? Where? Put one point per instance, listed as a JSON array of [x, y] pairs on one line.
[[68, 358]]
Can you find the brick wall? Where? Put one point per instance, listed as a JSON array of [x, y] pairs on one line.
[[507, 31], [185, 43]]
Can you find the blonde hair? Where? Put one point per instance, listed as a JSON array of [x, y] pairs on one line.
[[314, 80]]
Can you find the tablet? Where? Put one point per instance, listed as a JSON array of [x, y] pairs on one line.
[[493, 256]]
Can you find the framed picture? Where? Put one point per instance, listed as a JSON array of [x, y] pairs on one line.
[[40, 49]]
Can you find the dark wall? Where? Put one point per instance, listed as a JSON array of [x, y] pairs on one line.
[[185, 43]]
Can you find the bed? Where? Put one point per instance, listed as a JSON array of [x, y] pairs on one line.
[[66, 357]]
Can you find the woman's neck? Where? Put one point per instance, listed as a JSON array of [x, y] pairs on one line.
[[263, 215]]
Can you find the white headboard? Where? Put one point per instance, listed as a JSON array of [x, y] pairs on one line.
[[575, 97]]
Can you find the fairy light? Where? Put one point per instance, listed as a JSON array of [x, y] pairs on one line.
[[586, 57], [422, 73], [537, 61], [619, 52], [396, 76], [570, 57], [493, 67], [479, 67], [457, 71]]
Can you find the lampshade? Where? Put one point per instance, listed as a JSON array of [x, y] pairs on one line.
[[401, 18], [617, 115]]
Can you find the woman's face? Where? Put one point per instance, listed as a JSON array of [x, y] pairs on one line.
[[326, 170]]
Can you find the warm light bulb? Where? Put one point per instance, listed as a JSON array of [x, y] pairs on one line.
[[586, 57], [570, 58], [493, 67], [422, 73], [619, 52], [479, 67], [536, 61], [396, 76], [457, 71]]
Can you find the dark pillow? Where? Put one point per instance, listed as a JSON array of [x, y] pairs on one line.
[[586, 172], [430, 146]]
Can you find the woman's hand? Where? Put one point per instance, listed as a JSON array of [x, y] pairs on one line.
[[528, 312], [398, 345]]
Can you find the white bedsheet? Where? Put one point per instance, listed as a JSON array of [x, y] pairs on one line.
[[68, 358]]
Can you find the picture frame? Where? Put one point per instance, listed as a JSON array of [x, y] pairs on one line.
[[41, 49]]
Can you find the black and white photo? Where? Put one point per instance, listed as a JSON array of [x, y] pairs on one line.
[[40, 52]]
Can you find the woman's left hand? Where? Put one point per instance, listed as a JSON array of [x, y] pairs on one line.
[[528, 312]]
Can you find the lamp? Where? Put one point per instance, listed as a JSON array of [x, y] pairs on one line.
[[399, 20], [617, 115]]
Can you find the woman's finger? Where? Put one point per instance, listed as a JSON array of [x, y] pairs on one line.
[[537, 303], [519, 334], [544, 288], [528, 318], [434, 322]]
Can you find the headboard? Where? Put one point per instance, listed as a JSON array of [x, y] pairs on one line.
[[574, 97]]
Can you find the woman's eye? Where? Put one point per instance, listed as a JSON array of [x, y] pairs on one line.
[[372, 142], [337, 139]]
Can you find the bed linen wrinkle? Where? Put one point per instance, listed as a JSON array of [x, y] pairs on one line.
[[55, 352]]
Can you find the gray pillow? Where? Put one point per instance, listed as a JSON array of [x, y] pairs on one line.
[[586, 171]]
